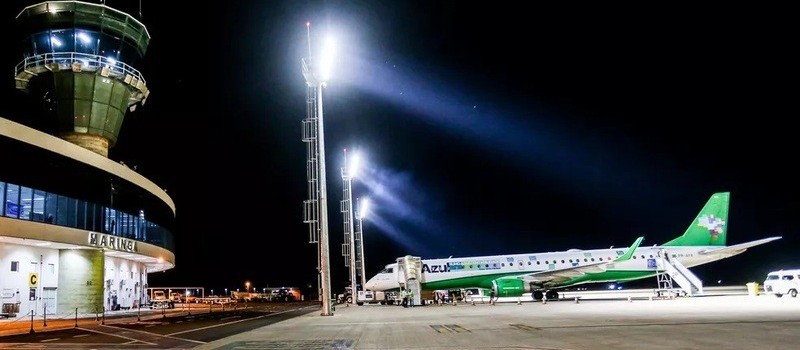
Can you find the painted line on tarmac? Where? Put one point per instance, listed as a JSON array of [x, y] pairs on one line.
[[152, 334], [242, 320], [80, 335], [49, 340], [117, 335]]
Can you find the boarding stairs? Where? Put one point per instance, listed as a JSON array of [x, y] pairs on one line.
[[670, 269], [409, 275]]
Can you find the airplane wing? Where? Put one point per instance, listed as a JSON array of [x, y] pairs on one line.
[[738, 248], [555, 277]]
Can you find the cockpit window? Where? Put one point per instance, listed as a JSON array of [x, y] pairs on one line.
[[387, 270]]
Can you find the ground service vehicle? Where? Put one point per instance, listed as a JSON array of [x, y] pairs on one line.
[[159, 300], [286, 294], [377, 297], [783, 282]]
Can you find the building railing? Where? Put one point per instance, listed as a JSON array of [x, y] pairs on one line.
[[87, 61]]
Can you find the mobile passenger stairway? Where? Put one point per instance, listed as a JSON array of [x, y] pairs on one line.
[[669, 270], [409, 274]]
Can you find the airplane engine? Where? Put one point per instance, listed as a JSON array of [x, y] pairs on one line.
[[510, 287]]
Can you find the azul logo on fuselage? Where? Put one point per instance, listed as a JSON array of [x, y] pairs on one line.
[[435, 268]]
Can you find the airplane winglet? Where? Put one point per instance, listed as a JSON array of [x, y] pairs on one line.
[[630, 251]]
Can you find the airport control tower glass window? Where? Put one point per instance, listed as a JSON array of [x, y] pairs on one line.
[[110, 47], [62, 40], [86, 41], [41, 44], [81, 41]]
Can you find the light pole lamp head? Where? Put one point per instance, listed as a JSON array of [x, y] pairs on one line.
[[354, 165], [318, 71], [326, 63], [363, 208], [351, 165]]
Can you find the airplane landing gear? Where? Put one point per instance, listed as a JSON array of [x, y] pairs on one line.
[[537, 295]]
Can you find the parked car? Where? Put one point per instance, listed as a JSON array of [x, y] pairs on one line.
[[783, 282]]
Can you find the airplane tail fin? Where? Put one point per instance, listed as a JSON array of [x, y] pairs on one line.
[[709, 228]]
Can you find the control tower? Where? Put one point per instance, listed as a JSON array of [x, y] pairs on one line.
[[78, 68]]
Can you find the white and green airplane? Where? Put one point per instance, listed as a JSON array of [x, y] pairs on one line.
[[541, 274]]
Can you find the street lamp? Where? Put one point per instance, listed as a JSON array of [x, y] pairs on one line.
[[247, 287], [316, 74], [349, 170], [363, 209]]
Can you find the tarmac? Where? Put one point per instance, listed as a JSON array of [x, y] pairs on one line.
[[633, 319], [21, 324], [719, 321]]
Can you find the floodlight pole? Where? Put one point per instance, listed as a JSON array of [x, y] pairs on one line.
[[347, 208], [324, 265], [317, 207], [360, 235]]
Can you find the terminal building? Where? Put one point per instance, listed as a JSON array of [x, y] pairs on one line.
[[78, 231]]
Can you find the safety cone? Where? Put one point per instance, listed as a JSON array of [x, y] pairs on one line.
[[473, 303], [544, 300], [629, 299], [577, 300], [519, 301]]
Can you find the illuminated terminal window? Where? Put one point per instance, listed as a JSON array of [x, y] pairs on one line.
[[31, 204]]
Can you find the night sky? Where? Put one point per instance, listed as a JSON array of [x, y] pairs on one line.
[[486, 128]]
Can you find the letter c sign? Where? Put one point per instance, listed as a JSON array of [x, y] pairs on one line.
[[33, 279]]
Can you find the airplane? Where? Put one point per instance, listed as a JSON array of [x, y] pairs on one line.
[[541, 274]]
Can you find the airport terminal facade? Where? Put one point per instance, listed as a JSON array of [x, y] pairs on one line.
[[78, 231]]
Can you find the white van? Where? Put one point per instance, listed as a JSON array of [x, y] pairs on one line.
[[783, 282]]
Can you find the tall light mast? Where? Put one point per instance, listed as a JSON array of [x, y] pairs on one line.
[[315, 209], [361, 210], [349, 246]]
